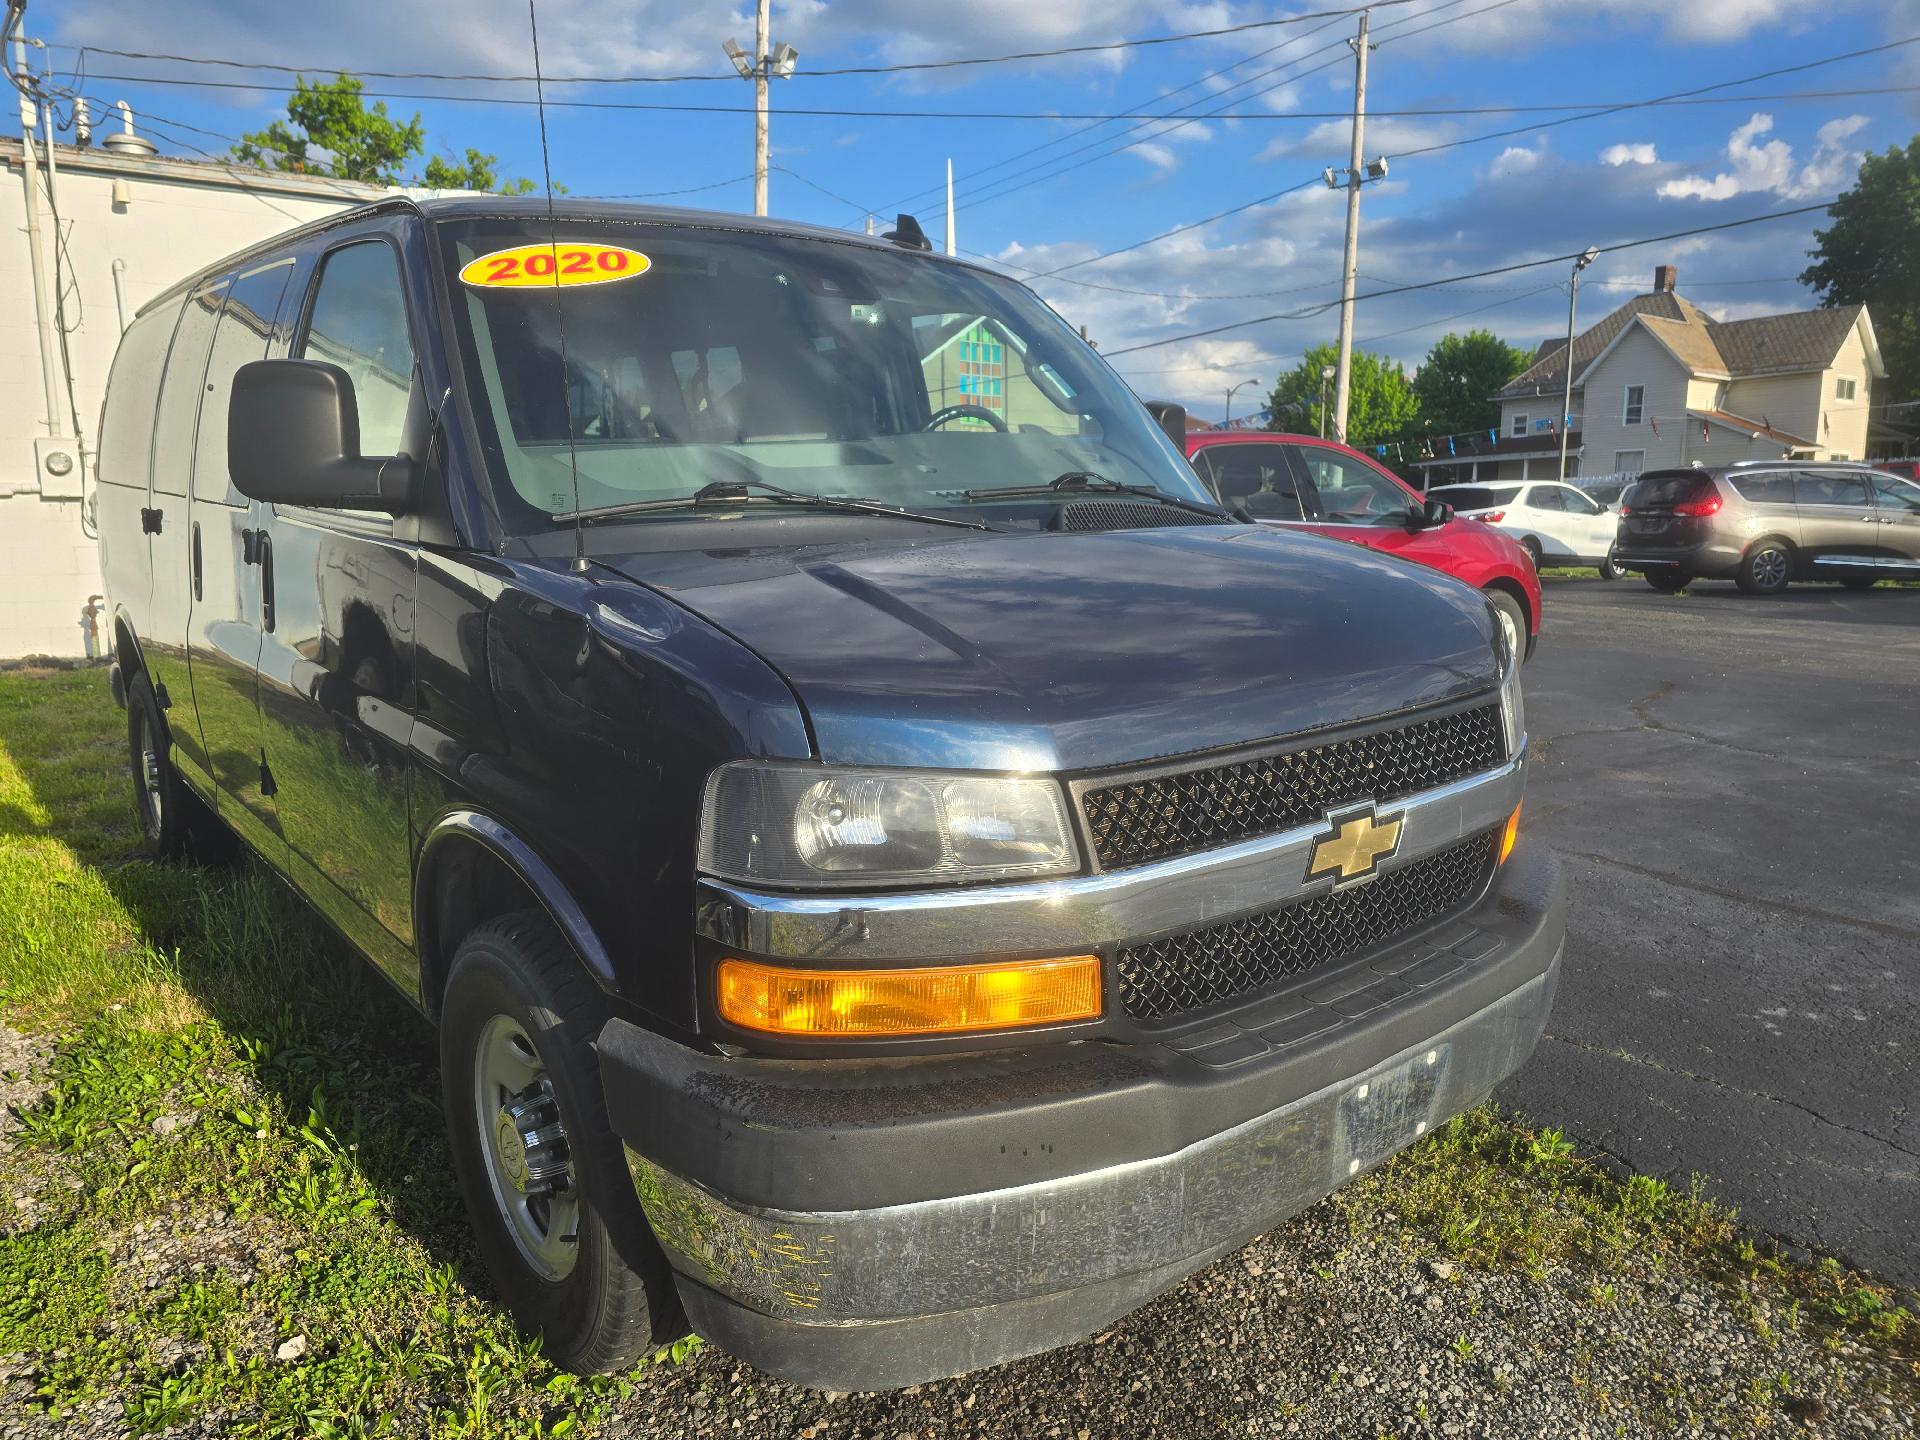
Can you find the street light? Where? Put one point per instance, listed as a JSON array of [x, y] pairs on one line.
[[1566, 403], [1326, 376], [767, 62], [1230, 389]]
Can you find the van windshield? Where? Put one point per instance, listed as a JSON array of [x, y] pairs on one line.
[[702, 354]]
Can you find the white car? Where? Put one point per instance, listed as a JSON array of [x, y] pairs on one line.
[[1556, 524]]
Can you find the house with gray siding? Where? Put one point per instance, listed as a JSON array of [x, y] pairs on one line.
[[1658, 383]]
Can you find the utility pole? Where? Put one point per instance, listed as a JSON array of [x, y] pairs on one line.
[[1349, 267], [1566, 404], [43, 309], [768, 62], [762, 19]]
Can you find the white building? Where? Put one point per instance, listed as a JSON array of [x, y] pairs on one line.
[[131, 223], [1659, 383]]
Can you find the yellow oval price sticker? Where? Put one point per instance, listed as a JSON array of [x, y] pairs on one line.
[[564, 264]]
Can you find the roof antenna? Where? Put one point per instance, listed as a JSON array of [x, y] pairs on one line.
[[559, 309]]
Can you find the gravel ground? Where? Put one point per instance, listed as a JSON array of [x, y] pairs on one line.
[[1311, 1331]]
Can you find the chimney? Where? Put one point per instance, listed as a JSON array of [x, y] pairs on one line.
[[1663, 278]]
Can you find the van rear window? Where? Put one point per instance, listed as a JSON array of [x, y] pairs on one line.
[[1670, 487]]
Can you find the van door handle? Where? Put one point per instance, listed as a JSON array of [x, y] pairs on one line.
[[263, 548], [150, 520], [196, 559]]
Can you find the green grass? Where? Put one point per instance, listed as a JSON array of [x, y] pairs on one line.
[[226, 1078]]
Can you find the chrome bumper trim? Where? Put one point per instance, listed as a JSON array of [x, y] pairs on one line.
[[1089, 910], [1175, 1210]]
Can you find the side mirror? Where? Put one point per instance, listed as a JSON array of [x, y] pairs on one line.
[[1431, 515], [293, 438], [1170, 416]]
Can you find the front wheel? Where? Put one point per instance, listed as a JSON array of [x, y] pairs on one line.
[[1532, 547], [1766, 569], [542, 1173], [1667, 582], [1513, 621], [1608, 570]]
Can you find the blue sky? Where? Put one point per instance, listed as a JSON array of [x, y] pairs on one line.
[[1085, 189]]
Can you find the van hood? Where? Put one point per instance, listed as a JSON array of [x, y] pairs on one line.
[[1068, 652]]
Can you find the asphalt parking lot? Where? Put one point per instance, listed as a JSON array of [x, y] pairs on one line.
[[1734, 786]]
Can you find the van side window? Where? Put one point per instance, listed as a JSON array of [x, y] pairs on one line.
[[180, 391], [246, 324], [1815, 488], [359, 323], [133, 399], [1767, 487]]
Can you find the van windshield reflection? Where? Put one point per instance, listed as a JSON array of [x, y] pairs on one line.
[[814, 367]]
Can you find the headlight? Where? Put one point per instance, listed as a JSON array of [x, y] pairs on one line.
[[1513, 709], [797, 824]]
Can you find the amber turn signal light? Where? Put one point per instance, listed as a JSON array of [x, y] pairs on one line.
[[930, 1001], [1509, 835]]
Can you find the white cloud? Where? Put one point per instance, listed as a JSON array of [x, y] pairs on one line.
[[1635, 154], [1161, 157], [1768, 165], [1833, 165], [1517, 160]]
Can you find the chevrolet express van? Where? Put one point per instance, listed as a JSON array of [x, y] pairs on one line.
[[901, 876]]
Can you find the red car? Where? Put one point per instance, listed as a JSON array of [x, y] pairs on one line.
[[1905, 469], [1325, 487]]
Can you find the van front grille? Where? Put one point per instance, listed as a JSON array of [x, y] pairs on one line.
[[1134, 822], [1208, 966]]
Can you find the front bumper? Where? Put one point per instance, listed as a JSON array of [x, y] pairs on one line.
[[856, 1224]]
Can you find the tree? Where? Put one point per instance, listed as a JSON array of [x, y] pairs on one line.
[[337, 134], [1459, 374], [360, 144], [477, 173], [1381, 405], [1868, 257]]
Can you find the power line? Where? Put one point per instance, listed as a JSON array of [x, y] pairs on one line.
[[1099, 121], [1312, 310], [904, 67], [1096, 117], [1503, 134], [1222, 110]]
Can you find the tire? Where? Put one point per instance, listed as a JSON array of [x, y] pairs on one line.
[[174, 822], [1513, 620], [1860, 582], [1766, 568], [1532, 547], [1608, 570], [519, 1006], [1667, 582]]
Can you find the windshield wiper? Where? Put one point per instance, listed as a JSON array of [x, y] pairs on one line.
[[1088, 482], [724, 492]]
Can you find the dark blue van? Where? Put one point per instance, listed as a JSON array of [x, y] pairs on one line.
[[902, 876]]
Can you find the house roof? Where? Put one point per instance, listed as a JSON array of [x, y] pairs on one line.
[[1548, 373], [1802, 340], [1763, 345], [1757, 428]]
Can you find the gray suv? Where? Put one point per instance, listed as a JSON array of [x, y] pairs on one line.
[[1766, 523]]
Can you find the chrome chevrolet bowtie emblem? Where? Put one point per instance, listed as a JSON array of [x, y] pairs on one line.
[[1356, 842]]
